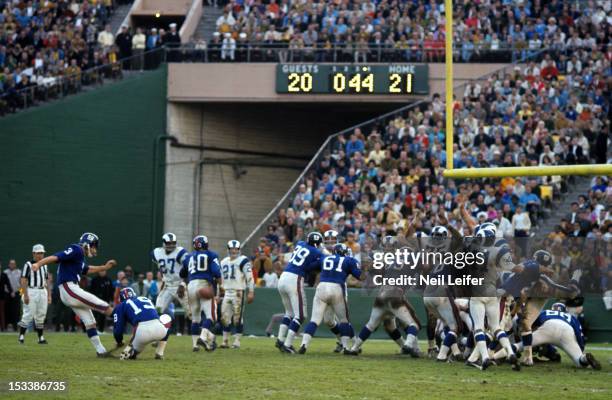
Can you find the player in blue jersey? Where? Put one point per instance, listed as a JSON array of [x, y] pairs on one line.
[[204, 274], [72, 265], [559, 328], [148, 326], [529, 287], [306, 257], [330, 293]]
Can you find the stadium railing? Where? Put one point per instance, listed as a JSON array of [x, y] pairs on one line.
[[351, 53], [252, 240]]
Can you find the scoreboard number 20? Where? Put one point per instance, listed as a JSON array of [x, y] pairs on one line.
[[300, 83]]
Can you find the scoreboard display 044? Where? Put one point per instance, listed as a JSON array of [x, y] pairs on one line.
[[377, 79]]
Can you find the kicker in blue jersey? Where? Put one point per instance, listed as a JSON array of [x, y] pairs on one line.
[[71, 264]]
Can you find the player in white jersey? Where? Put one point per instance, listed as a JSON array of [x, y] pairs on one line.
[[484, 302], [390, 305], [169, 259], [237, 277]]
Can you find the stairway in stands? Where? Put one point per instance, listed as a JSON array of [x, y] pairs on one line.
[[579, 185], [207, 25], [121, 11]]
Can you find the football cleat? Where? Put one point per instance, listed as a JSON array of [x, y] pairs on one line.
[[200, 342], [288, 349], [338, 348], [348, 352], [224, 345], [302, 350], [196, 349], [432, 352], [279, 345], [159, 356], [21, 340], [474, 364], [236, 345], [593, 362], [516, 365], [487, 363], [456, 358], [105, 354], [44, 341], [210, 346]]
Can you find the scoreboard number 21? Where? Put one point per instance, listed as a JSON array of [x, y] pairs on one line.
[[400, 83]]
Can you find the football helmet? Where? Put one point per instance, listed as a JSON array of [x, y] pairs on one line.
[[485, 236], [126, 293], [543, 258], [200, 243], [169, 242], [439, 237], [233, 247], [341, 249], [559, 307], [90, 243], [314, 239], [330, 237]]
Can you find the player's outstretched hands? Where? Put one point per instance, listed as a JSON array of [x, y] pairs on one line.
[[110, 264]]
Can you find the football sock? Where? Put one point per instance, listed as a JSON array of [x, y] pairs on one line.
[[289, 338], [306, 338], [226, 335], [161, 346], [505, 342], [282, 329], [22, 331], [411, 333], [481, 345], [345, 334], [396, 335], [95, 340]]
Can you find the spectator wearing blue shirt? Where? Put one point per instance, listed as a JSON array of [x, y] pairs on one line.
[[354, 145]]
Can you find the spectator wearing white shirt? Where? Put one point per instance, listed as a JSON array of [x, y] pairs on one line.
[[228, 47], [106, 39], [521, 223], [225, 21], [139, 41]]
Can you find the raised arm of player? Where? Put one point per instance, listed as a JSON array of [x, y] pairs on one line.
[[465, 214], [45, 261], [93, 269]]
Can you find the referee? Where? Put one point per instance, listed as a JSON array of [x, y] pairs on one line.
[[35, 295]]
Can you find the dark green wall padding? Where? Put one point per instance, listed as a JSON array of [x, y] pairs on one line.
[[268, 302], [84, 163]]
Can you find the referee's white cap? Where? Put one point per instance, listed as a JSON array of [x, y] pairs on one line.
[[38, 248]]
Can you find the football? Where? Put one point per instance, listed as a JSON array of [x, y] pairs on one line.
[[206, 292]]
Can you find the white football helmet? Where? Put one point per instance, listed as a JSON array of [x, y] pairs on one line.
[[169, 242], [330, 238], [233, 247]]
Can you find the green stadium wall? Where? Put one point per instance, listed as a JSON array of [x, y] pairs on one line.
[[267, 302], [85, 163]]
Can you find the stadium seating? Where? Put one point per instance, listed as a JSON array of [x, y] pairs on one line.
[[48, 48], [353, 31]]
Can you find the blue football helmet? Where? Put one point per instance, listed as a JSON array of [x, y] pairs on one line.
[[314, 239], [341, 249], [89, 242], [559, 307], [543, 258], [485, 236], [200, 242], [126, 293]]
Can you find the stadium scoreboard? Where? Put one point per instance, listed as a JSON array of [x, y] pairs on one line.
[[374, 79]]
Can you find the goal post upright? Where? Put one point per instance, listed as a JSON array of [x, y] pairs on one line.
[[463, 173]]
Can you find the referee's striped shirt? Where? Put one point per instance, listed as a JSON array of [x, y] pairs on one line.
[[36, 279]]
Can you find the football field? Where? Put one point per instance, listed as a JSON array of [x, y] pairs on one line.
[[258, 370]]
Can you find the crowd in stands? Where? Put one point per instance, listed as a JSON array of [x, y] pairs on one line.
[[408, 30], [386, 178], [55, 47]]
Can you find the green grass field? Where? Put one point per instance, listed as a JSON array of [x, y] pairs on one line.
[[258, 370]]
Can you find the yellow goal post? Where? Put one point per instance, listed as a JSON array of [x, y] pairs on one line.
[[464, 173]]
